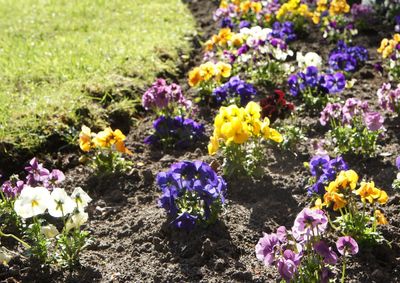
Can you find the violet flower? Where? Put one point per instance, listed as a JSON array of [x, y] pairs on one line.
[[309, 223], [37, 173], [287, 266], [347, 245], [398, 162], [326, 252], [267, 247]]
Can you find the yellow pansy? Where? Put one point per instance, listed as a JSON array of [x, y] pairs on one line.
[[194, 77], [207, 71], [253, 111], [223, 69], [380, 217], [213, 146], [85, 138]]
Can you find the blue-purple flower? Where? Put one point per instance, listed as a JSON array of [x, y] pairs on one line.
[[235, 89], [192, 193], [347, 58], [175, 132]]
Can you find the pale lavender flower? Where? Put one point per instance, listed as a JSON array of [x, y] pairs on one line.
[[347, 245], [373, 121], [55, 177], [398, 162], [266, 248], [287, 265], [309, 223]]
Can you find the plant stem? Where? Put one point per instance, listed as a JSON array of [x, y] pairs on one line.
[[25, 244], [344, 268]]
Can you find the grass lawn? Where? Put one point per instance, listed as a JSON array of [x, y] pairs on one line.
[[52, 51]]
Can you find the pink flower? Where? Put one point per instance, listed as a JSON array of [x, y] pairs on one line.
[[347, 245], [373, 121]]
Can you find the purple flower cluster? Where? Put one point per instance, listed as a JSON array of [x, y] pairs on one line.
[[233, 89], [324, 170], [289, 250], [192, 193], [353, 110], [161, 96], [37, 176], [311, 80], [284, 31], [389, 99], [362, 12], [175, 132], [347, 58]]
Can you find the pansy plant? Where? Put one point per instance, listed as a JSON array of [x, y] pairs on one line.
[[104, 150], [357, 205], [192, 194], [354, 127]]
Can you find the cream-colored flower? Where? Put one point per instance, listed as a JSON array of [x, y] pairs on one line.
[[32, 202], [60, 203], [76, 220], [49, 231], [81, 198]]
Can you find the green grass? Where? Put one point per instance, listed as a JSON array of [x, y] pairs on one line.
[[53, 51]]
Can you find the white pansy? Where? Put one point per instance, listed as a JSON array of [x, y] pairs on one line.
[[32, 202], [76, 220], [81, 198], [49, 231], [60, 204], [310, 59], [5, 257]]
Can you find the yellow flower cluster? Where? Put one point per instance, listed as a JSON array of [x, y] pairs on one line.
[[208, 71], [335, 7], [225, 37], [346, 182], [252, 6], [238, 125], [292, 9], [338, 7], [243, 6], [388, 46], [104, 139]]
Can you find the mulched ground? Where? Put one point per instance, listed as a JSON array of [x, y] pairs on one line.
[[133, 239]]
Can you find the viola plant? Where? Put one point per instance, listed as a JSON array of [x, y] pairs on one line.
[[396, 182], [303, 254], [235, 91], [358, 205], [36, 175], [208, 76], [298, 13], [335, 20], [284, 31], [389, 49], [235, 14], [178, 132], [363, 15], [192, 194], [323, 170], [39, 210], [166, 99], [240, 132], [347, 58], [354, 128], [262, 57], [105, 150], [275, 106], [389, 98], [316, 88]]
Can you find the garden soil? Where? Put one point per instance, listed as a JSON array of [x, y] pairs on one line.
[[132, 238]]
